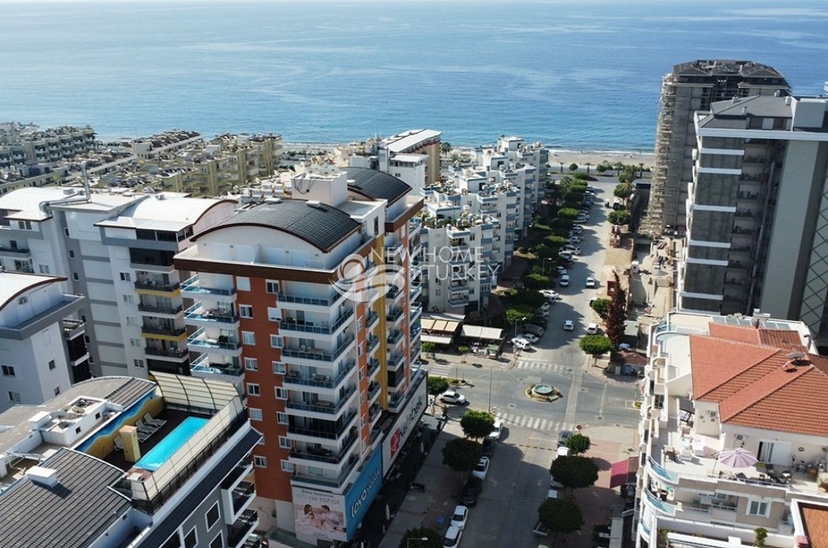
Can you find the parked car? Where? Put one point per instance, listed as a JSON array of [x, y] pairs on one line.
[[566, 256], [453, 536], [569, 325], [564, 281], [481, 469], [551, 296], [453, 396], [590, 282], [563, 435], [521, 343], [495, 434], [531, 338], [459, 517], [573, 240], [561, 270], [592, 329], [541, 321], [577, 229], [544, 308], [471, 490], [576, 250], [535, 330], [488, 447]]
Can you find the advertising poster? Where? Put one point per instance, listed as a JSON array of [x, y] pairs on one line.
[[318, 514], [406, 421], [362, 493]]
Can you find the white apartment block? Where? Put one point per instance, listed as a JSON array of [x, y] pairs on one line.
[[733, 432], [116, 249], [40, 339], [513, 154], [318, 293]]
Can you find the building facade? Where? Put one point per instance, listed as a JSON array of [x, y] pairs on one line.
[[691, 87], [325, 336], [756, 233]]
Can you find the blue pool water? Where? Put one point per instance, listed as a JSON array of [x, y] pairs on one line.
[[161, 453]]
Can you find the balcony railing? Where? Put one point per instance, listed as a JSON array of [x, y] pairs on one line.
[[396, 360], [157, 286], [197, 312], [200, 339], [312, 327], [243, 493], [332, 482], [319, 381], [238, 532], [373, 365], [327, 434], [166, 352], [394, 337], [319, 354], [394, 314], [373, 389], [371, 319], [327, 302], [203, 365], [322, 406], [171, 309], [325, 455], [169, 331], [193, 285], [372, 343]]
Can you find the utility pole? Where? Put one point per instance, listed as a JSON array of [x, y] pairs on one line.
[[491, 371]]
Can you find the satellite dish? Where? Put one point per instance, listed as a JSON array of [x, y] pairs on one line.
[[795, 355]]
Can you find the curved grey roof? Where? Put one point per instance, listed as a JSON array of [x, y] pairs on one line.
[[376, 185], [321, 225]]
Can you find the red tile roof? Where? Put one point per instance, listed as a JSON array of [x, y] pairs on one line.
[[755, 383]]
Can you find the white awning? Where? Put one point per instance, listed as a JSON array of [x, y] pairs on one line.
[[481, 332]]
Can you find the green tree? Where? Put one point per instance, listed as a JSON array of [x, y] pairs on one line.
[[561, 515], [620, 218], [595, 345], [433, 539], [578, 444], [554, 240], [529, 298], [437, 385], [587, 164], [573, 167], [568, 213], [519, 314], [600, 306], [574, 472], [477, 424], [616, 313], [623, 191], [536, 281], [445, 147], [429, 348], [601, 168], [618, 167], [760, 535], [461, 454]]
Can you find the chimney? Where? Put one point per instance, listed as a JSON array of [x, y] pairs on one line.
[[47, 477]]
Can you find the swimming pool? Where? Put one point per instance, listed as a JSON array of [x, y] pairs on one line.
[[171, 443]]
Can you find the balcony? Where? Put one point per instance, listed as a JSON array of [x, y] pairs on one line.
[[238, 532], [373, 389], [325, 455], [371, 319], [201, 342], [324, 406], [155, 287], [203, 365], [171, 310], [15, 252], [244, 492], [295, 302], [373, 366], [328, 481], [394, 337], [198, 315], [458, 300], [416, 311], [192, 288], [326, 433], [319, 381], [373, 342], [396, 360], [416, 291], [290, 324], [317, 354], [167, 354], [164, 332], [394, 314]]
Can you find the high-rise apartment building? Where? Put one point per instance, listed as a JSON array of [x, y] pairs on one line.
[[757, 232], [688, 88], [325, 335]]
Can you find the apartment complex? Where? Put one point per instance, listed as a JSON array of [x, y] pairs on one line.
[[42, 350], [117, 249], [125, 462], [325, 335], [691, 87], [21, 145], [755, 222], [733, 436]]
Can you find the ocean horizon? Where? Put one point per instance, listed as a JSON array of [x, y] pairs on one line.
[[577, 76]]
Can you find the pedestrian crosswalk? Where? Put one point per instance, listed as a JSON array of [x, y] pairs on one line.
[[543, 366], [442, 369], [533, 423]]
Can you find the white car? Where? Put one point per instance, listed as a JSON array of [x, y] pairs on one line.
[[573, 240], [453, 536], [592, 329], [569, 325], [452, 396], [561, 270], [481, 469], [550, 295], [590, 282], [530, 337], [576, 250], [459, 517], [495, 434], [564, 281], [577, 229], [521, 343]]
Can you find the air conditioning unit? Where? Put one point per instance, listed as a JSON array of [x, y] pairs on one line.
[[740, 437]]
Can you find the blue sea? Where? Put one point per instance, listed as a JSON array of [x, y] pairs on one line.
[[574, 74]]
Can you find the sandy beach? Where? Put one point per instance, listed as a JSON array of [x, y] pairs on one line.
[[596, 157]]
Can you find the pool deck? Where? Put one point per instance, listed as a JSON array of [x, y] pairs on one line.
[[173, 418]]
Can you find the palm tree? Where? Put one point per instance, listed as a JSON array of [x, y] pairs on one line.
[[562, 164], [587, 164]]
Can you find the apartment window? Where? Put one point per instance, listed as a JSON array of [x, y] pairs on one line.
[[757, 508], [259, 462], [274, 314], [251, 364], [276, 341], [212, 515], [14, 396], [75, 276], [255, 414], [24, 225], [217, 542], [71, 254], [282, 418], [126, 277], [278, 368], [281, 393], [86, 339], [43, 268], [8, 371], [253, 389], [248, 337], [51, 364], [315, 471], [66, 231], [131, 320], [135, 343], [287, 467], [129, 299], [243, 284], [57, 390], [246, 311], [284, 442], [191, 540], [272, 286], [138, 363]]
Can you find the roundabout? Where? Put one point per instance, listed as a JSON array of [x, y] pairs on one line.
[[543, 392]]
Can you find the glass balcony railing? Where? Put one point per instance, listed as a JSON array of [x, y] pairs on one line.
[[325, 455], [201, 340], [198, 312], [193, 285], [319, 354], [320, 381], [290, 324], [327, 433], [323, 406]]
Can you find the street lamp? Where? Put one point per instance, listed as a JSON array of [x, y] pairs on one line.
[[523, 319], [408, 542]]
